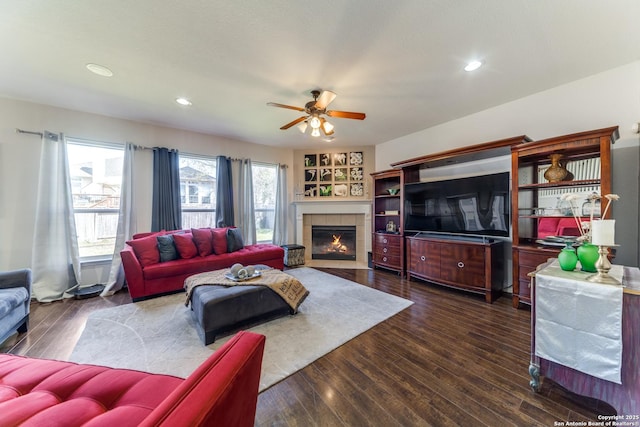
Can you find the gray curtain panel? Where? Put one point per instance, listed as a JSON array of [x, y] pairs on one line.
[[224, 193], [166, 212]]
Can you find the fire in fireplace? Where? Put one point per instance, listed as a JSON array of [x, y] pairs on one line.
[[335, 242]]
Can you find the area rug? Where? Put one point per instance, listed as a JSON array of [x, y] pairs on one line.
[[159, 335]]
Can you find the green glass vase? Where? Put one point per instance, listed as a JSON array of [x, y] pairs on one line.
[[567, 258], [588, 256]]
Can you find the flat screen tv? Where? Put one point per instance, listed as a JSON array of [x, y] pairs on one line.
[[477, 205]]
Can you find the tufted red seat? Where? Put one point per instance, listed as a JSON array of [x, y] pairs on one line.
[[221, 391]]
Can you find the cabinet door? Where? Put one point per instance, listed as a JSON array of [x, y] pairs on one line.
[[528, 261], [424, 258], [463, 264]]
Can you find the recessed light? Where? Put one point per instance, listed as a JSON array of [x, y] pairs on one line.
[[100, 70], [473, 65], [184, 101]]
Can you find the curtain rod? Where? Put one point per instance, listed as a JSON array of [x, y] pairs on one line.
[[142, 147], [29, 132]]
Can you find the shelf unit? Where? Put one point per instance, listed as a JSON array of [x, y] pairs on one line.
[[528, 162], [388, 243]]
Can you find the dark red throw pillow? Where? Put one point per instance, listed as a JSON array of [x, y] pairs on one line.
[[146, 250], [185, 245], [219, 240], [203, 239]]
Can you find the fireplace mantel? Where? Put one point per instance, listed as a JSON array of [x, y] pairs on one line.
[[322, 207]]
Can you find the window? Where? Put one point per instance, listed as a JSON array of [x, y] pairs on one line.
[[264, 199], [198, 191], [95, 171]]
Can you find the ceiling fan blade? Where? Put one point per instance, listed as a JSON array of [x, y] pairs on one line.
[[346, 115], [290, 107], [325, 99], [293, 123]]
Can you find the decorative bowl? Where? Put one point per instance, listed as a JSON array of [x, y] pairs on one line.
[[393, 191]]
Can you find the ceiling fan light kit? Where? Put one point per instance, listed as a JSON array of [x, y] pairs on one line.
[[314, 122], [315, 109]]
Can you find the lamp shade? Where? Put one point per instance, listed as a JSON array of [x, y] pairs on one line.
[[327, 127], [314, 122], [302, 127]]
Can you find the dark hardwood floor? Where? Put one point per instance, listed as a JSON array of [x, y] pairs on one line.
[[449, 359]]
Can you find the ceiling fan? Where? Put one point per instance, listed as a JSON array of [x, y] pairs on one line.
[[315, 110]]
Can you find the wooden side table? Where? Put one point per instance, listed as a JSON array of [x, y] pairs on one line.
[[625, 397]]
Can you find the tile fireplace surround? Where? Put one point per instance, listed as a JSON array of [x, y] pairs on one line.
[[356, 212]]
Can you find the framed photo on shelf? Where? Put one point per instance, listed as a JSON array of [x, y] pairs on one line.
[[340, 159], [326, 174], [310, 175], [340, 174], [356, 174], [325, 190], [341, 190], [356, 158], [325, 160], [310, 190], [356, 189], [310, 160]]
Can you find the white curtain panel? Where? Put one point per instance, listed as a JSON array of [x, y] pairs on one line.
[[244, 202], [282, 208], [55, 256], [126, 222]]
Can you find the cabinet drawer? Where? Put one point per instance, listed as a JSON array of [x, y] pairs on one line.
[[392, 260], [387, 250], [533, 259], [388, 240]]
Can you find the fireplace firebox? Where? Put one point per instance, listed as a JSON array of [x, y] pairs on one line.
[[334, 242]]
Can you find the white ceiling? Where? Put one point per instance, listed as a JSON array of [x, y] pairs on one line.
[[400, 62]]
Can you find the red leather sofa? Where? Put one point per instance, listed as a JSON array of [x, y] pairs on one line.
[[223, 391], [198, 250]]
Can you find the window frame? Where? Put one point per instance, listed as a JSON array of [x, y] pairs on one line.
[[273, 166], [187, 183], [83, 142]]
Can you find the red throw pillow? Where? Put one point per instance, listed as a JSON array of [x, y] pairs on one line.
[[185, 246], [203, 239], [146, 249], [219, 240]]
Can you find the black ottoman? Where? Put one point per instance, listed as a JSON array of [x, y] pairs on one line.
[[220, 310]]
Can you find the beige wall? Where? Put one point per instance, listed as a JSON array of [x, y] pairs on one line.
[[20, 156]]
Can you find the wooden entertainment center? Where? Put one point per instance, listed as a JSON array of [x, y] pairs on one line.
[[477, 263], [472, 264]]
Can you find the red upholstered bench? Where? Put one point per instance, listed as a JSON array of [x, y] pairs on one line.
[[223, 391]]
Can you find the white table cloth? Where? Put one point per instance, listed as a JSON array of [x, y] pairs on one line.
[[579, 323]]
